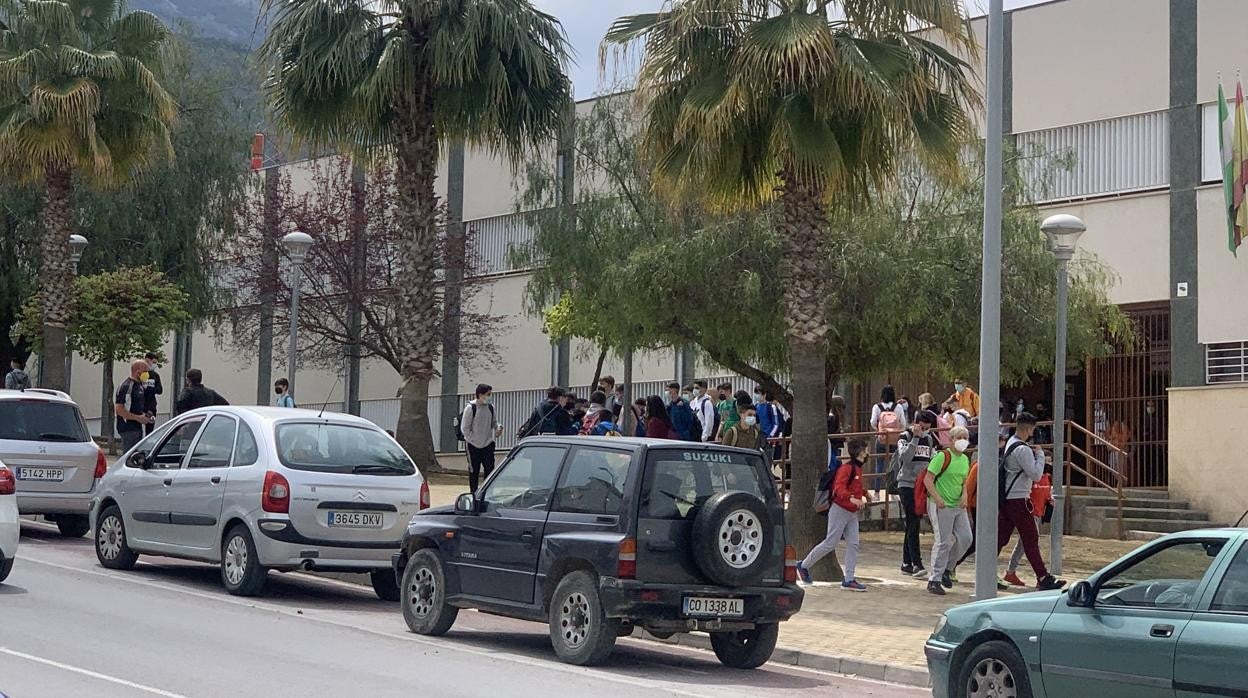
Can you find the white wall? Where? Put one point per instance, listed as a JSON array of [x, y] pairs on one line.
[[1084, 60], [1223, 317], [1131, 234]]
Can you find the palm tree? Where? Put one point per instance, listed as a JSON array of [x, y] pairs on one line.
[[408, 75], [79, 96], [798, 102]]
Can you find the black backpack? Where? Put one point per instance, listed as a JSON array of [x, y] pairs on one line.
[[1002, 488], [459, 432]]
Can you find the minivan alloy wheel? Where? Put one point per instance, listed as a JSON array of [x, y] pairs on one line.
[[991, 678], [422, 590], [574, 620], [236, 560], [110, 537], [741, 538]]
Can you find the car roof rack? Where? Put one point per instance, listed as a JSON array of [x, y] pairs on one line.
[[48, 391]]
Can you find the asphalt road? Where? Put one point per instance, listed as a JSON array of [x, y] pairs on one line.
[[68, 627]]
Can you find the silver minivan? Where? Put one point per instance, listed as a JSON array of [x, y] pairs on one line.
[[45, 442], [254, 489]]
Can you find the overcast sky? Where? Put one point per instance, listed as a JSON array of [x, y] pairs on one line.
[[586, 22]]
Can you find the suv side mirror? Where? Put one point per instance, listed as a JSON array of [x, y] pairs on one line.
[[1081, 595], [138, 459], [466, 503]]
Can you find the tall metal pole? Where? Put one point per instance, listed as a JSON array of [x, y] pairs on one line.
[[990, 316], [295, 283], [628, 424], [1059, 421]]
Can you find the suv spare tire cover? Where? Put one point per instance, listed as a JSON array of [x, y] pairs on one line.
[[732, 538]]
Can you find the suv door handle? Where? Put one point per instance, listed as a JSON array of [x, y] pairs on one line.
[[663, 546], [1162, 630], [526, 536], [168, 481], [215, 479]]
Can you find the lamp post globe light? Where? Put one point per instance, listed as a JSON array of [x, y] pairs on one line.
[[1063, 232], [297, 244]]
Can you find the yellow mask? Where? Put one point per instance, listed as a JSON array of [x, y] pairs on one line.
[[144, 376]]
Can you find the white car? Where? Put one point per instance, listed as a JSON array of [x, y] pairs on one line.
[[9, 528], [254, 489]]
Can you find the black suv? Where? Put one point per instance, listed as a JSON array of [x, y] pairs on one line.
[[600, 535]]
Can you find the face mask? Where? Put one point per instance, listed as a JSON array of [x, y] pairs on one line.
[[697, 392], [486, 398], [958, 387], [685, 397], [1150, 409], [144, 376], [277, 391], [749, 421], [961, 445], [1018, 409]]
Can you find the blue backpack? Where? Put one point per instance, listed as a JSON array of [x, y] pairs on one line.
[[605, 428]]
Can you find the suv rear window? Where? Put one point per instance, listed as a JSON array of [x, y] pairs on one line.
[[41, 420], [678, 482], [340, 448]]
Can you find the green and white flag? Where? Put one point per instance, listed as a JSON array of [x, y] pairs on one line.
[[1227, 148]]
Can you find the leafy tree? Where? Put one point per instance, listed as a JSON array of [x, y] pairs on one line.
[[408, 75], [905, 288], [353, 262], [116, 316], [79, 94], [747, 102]]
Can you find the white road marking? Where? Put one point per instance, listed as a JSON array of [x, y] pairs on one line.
[[406, 637], [89, 673]]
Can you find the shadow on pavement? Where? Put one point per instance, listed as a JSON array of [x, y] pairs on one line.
[[10, 590]]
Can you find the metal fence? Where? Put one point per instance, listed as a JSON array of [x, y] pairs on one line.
[[1226, 362]]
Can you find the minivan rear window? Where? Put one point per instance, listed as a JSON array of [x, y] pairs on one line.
[[340, 448], [678, 482], [41, 420]]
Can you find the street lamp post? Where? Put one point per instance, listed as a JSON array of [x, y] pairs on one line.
[[1063, 231], [77, 244], [297, 244]]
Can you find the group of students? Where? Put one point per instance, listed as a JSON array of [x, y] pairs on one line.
[[930, 466]]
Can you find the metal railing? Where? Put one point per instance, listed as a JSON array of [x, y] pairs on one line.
[[1226, 362], [1112, 156]]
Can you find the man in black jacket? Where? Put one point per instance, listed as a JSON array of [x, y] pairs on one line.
[[151, 388], [196, 394], [548, 417]]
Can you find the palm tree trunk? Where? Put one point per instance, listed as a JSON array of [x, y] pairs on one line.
[[54, 275], [804, 277], [416, 160]]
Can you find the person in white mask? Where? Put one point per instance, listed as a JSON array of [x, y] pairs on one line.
[[746, 432], [480, 430], [945, 481]]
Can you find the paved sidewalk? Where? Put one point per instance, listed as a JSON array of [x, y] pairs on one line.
[[878, 634]]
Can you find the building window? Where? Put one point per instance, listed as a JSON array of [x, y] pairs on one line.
[[1226, 362], [1210, 144], [1108, 157]]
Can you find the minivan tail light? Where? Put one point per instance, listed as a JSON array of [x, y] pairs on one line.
[[626, 567], [424, 496], [8, 484], [790, 564], [276, 496], [101, 463]]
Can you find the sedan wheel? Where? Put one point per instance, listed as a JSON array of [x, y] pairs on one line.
[[235, 560], [993, 670], [991, 678], [241, 571], [111, 547]]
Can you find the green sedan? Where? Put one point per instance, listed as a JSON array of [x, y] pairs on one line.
[[1170, 619]]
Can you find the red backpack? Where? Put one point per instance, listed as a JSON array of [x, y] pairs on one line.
[[920, 485]]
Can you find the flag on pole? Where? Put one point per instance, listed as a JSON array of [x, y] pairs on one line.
[[1240, 166], [1227, 149]]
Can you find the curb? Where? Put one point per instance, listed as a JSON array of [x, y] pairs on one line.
[[852, 666]]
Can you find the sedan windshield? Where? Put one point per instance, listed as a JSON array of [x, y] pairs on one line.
[[340, 448]]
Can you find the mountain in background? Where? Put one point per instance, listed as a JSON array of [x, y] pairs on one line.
[[232, 20]]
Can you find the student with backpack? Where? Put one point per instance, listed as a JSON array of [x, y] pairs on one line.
[[1020, 468], [679, 412], [704, 410], [944, 495], [598, 419], [915, 449], [845, 497], [548, 417], [888, 420], [479, 429]]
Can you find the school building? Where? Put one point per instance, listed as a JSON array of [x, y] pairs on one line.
[[1127, 88]]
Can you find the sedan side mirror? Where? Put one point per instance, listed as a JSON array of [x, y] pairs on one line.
[[138, 459], [466, 504], [1081, 595]]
